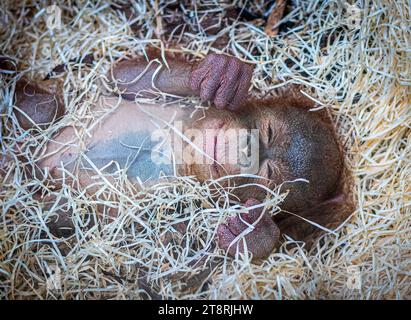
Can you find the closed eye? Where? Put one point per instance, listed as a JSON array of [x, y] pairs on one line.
[[270, 134]]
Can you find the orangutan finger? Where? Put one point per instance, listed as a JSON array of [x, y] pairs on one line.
[[228, 83], [236, 225], [211, 83], [242, 88], [204, 70], [226, 239]]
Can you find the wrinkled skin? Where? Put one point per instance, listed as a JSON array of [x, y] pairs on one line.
[[222, 80]]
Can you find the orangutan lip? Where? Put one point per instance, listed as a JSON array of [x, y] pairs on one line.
[[215, 164], [215, 148]]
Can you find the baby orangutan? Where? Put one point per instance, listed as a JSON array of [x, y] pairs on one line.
[[293, 143]]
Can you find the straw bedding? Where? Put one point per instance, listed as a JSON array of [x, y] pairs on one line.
[[352, 58]]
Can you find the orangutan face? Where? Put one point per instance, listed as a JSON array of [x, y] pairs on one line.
[[240, 144], [223, 143], [277, 144]]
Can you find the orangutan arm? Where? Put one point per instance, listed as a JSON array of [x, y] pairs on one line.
[[218, 78]]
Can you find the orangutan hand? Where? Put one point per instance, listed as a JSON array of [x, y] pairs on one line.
[[222, 80], [260, 242]]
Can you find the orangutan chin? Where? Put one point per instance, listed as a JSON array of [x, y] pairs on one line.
[[294, 143]]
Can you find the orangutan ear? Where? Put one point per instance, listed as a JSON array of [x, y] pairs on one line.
[[329, 214]]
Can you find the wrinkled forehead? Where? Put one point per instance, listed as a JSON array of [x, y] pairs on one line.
[[258, 115]]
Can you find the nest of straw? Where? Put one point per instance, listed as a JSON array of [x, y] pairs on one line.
[[353, 58]]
